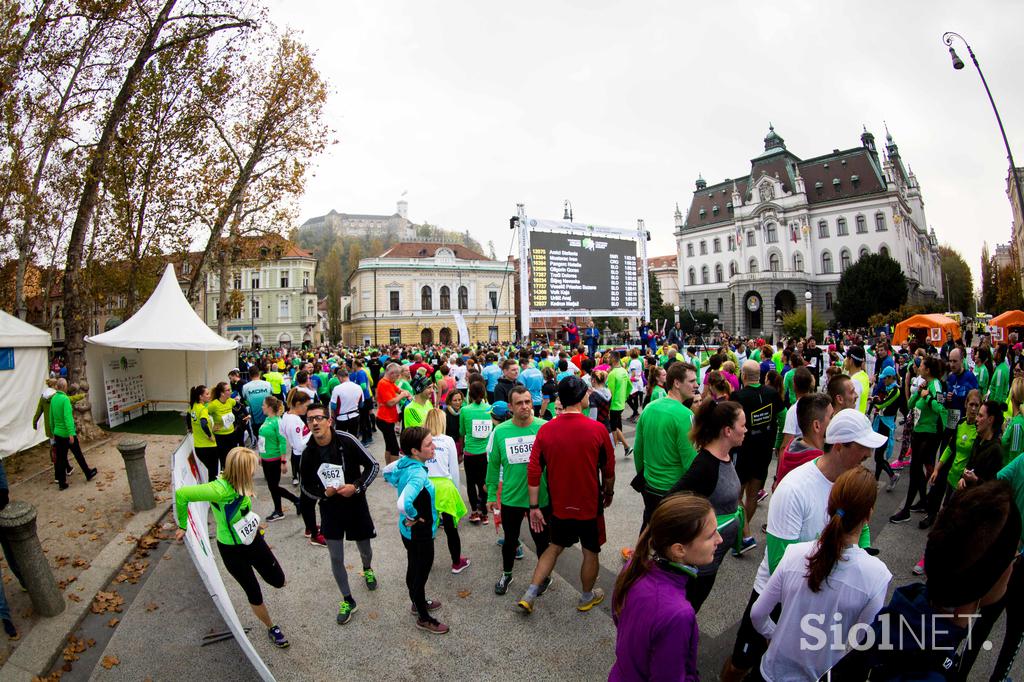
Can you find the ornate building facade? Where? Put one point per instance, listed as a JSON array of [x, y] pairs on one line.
[[396, 226], [749, 248]]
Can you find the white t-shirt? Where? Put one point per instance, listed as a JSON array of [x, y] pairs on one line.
[[445, 462], [636, 374], [797, 510], [854, 590], [345, 399], [458, 372], [792, 427], [308, 391], [295, 432]]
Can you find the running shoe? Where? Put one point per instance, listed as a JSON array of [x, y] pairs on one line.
[[902, 516], [371, 579], [520, 552], [9, 629], [461, 566], [305, 533], [762, 494], [91, 474], [71, 469], [277, 637], [474, 517], [501, 587], [345, 611], [295, 482], [892, 482], [918, 568], [919, 508], [926, 522], [900, 464], [626, 553], [275, 516], [746, 545], [63, 486], [432, 605], [433, 627], [483, 519], [501, 542], [544, 586], [586, 604], [525, 605], [318, 540], [628, 452]]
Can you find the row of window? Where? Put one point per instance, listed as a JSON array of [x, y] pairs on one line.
[[445, 336], [283, 309], [255, 279], [771, 235], [775, 265], [721, 304], [444, 296]]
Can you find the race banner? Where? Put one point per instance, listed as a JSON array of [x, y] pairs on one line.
[[186, 470], [460, 322]]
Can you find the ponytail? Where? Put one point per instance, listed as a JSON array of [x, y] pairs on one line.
[[195, 394], [849, 507], [711, 418], [679, 518], [296, 398], [274, 404]]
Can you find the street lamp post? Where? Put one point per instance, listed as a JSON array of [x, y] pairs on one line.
[[676, 309], [567, 211], [808, 297], [958, 64]]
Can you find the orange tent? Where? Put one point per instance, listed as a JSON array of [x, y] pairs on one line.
[[1011, 319], [933, 329]]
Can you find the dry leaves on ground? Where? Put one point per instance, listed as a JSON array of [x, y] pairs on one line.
[[152, 606], [113, 622], [107, 602], [464, 593], [76, 646], [109, 662], [74, 597]]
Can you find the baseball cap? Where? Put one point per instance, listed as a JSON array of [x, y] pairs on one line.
[[888, 372], [499, 410], [850, 426]]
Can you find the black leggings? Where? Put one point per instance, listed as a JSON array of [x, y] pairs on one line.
[[476, 480], [420, 555], [512, 521], [242, 560], [390, 439], [451, 531], [922, 454], [225, 442], [881, 463], [272, 472], [210, 457], [634, 402], [699, 588], [60, 465], [1013, 603]]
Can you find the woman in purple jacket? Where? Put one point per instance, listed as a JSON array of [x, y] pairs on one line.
[[657, 628]]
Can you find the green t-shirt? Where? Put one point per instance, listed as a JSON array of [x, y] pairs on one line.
[[274, 378], [1013, 438], [658, 393], [662, 450], [1013, 473], [999, 388], [620, 386], [475, 426], [508, 454], [415, 413], [963, 444], [219, 494], [272, 444]]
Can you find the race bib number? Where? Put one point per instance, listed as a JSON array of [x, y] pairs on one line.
[[518, 449], [228, 420], [331, 475], [247, 528], [481, 428], [261, 445], [953, 417]]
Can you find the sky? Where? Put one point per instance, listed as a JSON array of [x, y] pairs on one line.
[[473, 107]]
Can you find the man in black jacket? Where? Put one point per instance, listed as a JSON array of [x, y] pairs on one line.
[[507, 381]]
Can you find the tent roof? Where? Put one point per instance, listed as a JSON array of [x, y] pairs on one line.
[[165, 322], [1011, 318], [16, 333], [902, 331]]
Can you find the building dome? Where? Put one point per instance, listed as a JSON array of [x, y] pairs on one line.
[[773, 140]]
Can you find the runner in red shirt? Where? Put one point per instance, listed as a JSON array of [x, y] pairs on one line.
[[577, 455], [388, 397], [813, 413], [581, 355]]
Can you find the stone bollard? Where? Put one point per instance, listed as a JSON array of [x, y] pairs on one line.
[[18, 527], [134, 454]]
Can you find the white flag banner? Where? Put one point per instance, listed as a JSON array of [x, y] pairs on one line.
[[460, 322]]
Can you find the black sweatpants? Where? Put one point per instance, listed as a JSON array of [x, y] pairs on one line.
[[476, 481], [60, 466], [272, 472], [420, 557], [244, 561], [512, 521], [387, 429]]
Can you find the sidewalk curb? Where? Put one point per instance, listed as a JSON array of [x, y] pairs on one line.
[[36, 654]]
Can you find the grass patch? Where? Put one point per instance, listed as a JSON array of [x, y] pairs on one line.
[[159, 423]]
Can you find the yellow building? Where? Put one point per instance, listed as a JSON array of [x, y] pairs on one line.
[[414, 292]]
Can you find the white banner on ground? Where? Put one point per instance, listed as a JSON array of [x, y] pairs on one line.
[[123, 385], [186, 470], [460, 322]]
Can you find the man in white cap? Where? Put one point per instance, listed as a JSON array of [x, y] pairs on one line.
[[797, 512]]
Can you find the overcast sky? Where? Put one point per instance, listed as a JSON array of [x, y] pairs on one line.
[[617, 106]]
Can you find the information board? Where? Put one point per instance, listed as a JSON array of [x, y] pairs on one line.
[[580, 272], [123, 383]]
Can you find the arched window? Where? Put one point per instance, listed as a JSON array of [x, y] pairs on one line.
[[426, 299], [463, 298], [841, 227], [704, 275], [884, 251], [773, 262], [880, 222], [721, 306], [692, 277], [826, 263], [798, 262], [822, 229], [863, 252], [862, 225], [770, 236], [844, 260], [733, 269], [446, 298], [718, 272], [752, 265], [828, 300]]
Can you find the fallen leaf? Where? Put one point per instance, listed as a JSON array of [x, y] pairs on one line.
[[74, 597], [464, 593], [80, 509], [113, 622], [80, 563], [152, 606], [373, 615], [109, 662]]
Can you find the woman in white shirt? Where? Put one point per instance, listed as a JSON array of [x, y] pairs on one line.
[[825, 587]]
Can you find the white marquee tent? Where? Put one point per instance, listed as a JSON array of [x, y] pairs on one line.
[[175, 348], [24, 356]]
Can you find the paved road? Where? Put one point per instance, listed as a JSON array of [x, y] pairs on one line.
[[160, 633]]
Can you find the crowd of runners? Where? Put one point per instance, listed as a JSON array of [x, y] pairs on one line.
[[527, 436]]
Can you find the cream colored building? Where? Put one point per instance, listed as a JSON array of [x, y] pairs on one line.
[[412, 292]]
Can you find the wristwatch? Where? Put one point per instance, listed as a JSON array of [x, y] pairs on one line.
[[534, 506]]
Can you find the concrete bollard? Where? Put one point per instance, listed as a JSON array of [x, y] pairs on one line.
[[18, 528], [134, 454]]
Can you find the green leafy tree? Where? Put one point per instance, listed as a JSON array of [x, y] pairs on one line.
[[873, 284], [956, 274], [794, 324], [1008, 291], [988, 281], [659, 309]]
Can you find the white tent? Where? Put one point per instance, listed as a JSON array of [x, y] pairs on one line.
[[175, 348], [23, 369]]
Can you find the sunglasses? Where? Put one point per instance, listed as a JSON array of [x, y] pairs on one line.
[[317, 418]]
